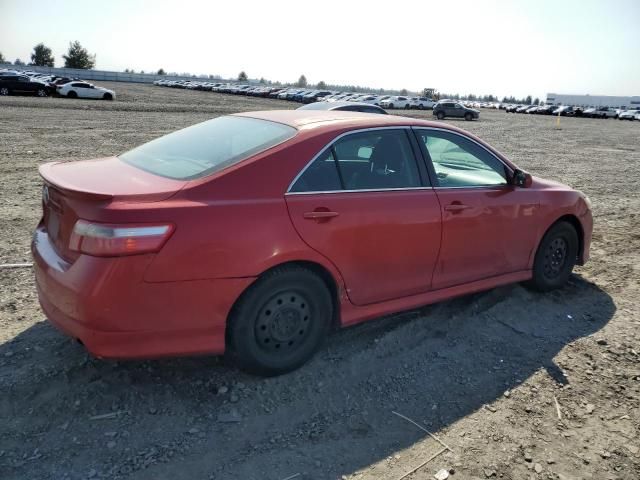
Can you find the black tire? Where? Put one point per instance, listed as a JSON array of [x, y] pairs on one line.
[[107, 96], [391, 106], [4, 91], [41, 92], [555, 258], [279, 322], [468, 117], [72, 94], [440, 115], [407, 106], [420, 106]]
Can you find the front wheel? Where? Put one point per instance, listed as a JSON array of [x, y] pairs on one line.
[[279, 322], [72, 94], [4, 91], [41, 92], [555, 258], [391, 106], [107, 96], [407, 106], [468, 117]]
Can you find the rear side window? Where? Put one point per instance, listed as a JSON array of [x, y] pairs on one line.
[[372, 160], [207, 147]]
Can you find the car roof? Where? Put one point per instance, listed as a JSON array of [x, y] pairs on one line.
[[338, 119]]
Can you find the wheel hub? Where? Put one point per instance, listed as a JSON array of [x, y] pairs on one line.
[[555, 257], [283, 322]]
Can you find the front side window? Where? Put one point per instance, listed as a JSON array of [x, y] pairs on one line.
[[207, 147], [460, 162], [372, 160]]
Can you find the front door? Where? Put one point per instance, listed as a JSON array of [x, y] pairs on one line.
[[487, 225], [365, 204]]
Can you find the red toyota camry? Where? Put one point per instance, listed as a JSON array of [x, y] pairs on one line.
[[254, 234]]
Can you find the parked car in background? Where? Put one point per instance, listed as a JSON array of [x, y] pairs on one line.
[[344, 106], [422, 103], [628, 115], [546, 110], [11, 84], [397, 101], [444, 109], [601, 112], [85, 90]]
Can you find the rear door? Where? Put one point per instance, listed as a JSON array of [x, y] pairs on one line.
[[366, 205], [488, 226]]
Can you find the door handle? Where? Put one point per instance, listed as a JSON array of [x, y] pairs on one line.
[[320, 215], [456, 207]]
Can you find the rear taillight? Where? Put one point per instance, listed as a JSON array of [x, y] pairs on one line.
[[108, 240]]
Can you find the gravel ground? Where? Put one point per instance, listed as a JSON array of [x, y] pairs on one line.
[[519, 385]]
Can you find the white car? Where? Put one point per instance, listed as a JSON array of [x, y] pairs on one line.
[[85, 90], [397, 101], [628, 114], [422, 103]]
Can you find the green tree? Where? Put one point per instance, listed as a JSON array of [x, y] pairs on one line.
[[404, 91], [42, 56], [78, 57], [18, 62], [302, 81], [536, 101], [528, 100], [262, 80], [2, 59], [162, 72], [242, 76], [321, 85]]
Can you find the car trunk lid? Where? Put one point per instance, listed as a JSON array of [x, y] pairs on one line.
[[81, 190]]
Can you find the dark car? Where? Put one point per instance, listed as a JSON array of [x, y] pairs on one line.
[[445, 109], [546, 110], [344, 106], [11, 83]]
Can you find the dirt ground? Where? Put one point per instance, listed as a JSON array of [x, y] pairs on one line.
[[519, 385]]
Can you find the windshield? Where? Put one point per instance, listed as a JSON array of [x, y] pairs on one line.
[[207, 147]]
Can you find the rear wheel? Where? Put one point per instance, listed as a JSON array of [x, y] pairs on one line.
[[391, 105], [440, 115], [555, 258], [4, 91], [407, 106], [41, 92], [468, 117], [279, 323], [420, 106], [72, 94]]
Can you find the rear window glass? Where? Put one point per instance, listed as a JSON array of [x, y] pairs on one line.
[[207, 147]]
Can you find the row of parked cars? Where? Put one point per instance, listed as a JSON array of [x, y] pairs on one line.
[[42, 85], [570, 111], [303, 95]]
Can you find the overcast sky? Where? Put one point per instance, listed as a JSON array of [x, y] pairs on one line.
[[516, 47]]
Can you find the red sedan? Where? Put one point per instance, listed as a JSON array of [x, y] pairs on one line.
[[254, 234]]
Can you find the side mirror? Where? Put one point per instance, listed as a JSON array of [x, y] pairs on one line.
[[521, 179]]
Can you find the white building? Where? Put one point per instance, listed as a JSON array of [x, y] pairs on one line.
[[593, 101]]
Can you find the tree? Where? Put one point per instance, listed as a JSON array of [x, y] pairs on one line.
[[242, 76], [2, 59], [161, 72], [528, 100], [404, 91], [536, 101], [42, 56], [78, 57], [302, 81], [262, 81], [321, 85], [18, 62]]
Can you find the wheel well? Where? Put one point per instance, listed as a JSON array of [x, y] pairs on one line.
[[573, 220], [317, 269]]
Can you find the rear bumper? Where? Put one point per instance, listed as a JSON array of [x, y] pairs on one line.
[[106, 304]]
